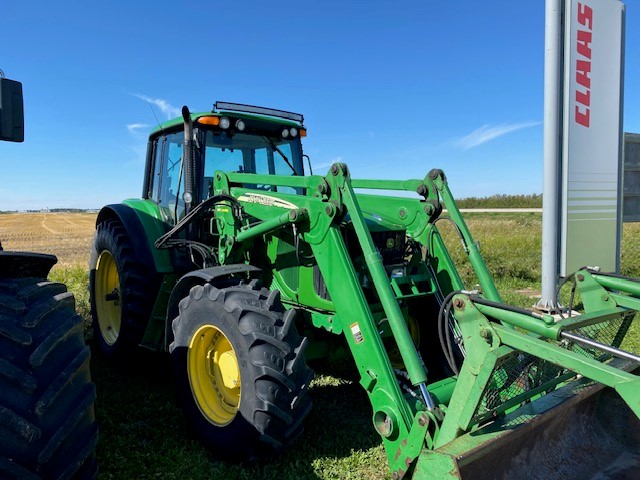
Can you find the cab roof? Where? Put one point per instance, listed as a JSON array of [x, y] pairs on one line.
[[237, 110]]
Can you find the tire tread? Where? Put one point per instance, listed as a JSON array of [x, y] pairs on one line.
[[279, 402], [46, 406], [138, 290]]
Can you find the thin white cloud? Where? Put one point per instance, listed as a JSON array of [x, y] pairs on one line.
[[165, 107], [135, 127], [486, 133]]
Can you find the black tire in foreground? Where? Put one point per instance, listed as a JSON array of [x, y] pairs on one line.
[[121, 292], [240, 370], [47, 423]]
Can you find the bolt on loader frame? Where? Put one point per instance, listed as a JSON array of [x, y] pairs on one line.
[[460, 383]]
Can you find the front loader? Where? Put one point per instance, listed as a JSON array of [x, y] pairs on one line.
[[245, 269]]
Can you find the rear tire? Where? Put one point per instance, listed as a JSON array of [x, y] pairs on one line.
[[240, 371], [121, 292], [47, 423]]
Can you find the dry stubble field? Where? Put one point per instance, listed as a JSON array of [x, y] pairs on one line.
[[66, 235]]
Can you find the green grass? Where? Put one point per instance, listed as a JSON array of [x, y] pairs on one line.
[[143, 434], [76, 278]]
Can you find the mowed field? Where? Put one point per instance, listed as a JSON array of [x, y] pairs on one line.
[[142, 431], [66, 235]]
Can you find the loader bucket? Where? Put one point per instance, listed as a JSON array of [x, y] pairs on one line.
[[581, 431]]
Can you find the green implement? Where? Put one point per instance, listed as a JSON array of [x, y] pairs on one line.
[[249, 273]]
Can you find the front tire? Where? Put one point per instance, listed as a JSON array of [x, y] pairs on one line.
[[47, 423], [121, 292], [240, 371]]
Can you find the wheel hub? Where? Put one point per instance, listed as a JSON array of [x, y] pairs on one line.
[[214, 375], [107, 297]]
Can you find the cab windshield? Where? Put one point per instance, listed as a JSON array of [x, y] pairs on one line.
[[245, 153]]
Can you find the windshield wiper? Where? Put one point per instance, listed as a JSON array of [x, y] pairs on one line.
[[284, 157]]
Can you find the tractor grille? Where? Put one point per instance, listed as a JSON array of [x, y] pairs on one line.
[[518, 376]]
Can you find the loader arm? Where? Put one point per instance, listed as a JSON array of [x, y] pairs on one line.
[[512, 358], [393, 416]]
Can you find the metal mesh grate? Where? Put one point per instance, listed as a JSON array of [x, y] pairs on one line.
[[519, 376], [609, 333], [516, 375]]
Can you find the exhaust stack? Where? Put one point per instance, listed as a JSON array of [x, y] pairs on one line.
[[189, 161]]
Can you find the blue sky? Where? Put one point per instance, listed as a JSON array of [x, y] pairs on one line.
[[391, 88]]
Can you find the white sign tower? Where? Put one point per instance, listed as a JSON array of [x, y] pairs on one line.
[[584, 59]]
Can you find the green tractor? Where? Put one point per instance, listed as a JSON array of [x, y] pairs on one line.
[[247, 271]]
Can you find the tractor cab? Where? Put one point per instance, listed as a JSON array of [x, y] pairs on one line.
[[232, 138]]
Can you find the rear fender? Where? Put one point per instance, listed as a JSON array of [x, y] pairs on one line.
[[25, 264], [144, 226]]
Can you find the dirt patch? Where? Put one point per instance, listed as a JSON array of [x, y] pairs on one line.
[[529, 292]]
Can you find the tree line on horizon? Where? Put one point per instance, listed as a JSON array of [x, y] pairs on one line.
[[502, 201], [52, 210]]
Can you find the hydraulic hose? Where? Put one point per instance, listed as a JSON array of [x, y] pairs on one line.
[[443, 332], [187, 219]]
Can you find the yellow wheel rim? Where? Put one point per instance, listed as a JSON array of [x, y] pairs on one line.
[[107, 297], [214, 375]]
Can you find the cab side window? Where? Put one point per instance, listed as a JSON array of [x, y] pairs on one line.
[[269, 161], [168, 178]]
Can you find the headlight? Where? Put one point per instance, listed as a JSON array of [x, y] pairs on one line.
[[224, 123], [240, 125], [293, 131], [285, 133]]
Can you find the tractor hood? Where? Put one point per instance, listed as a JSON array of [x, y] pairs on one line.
[[376, 222]]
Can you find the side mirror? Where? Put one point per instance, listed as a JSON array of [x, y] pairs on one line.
[[11, 111]]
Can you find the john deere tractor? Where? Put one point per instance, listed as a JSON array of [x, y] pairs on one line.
[[245, 269], [47, 424]]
